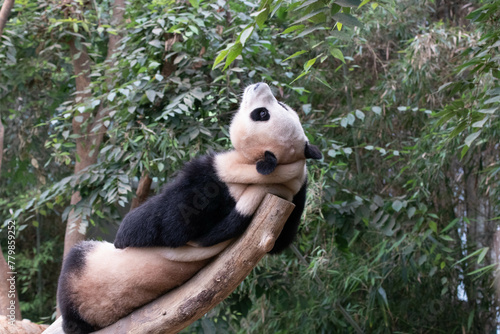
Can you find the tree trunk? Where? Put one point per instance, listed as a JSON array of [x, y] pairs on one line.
[[5, 300], [480, 231], [6, 293], [89, 141], [4, 14]]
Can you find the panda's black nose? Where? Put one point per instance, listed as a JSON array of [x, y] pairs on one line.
[[256, 86]]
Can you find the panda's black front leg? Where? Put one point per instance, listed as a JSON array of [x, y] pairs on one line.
[[292, 224], [233, 225]]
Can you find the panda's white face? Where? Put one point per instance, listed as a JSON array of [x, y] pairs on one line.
[[264, 124]]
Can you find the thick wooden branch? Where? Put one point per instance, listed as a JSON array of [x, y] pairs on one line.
[[4, 14], [180, 307]]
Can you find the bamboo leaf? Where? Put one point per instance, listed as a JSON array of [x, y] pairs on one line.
[[348, 3], [470, 138], [347, 19]]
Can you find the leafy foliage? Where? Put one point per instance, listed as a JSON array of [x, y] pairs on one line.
[[401, 97]]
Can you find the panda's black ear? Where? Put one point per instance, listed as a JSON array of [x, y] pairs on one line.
[[312, 152], [268, 165]]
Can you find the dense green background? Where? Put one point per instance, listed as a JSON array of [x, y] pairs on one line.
[[402, 97]]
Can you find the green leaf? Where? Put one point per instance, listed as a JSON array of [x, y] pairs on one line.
[[490, 267], [195, 3], [111, 96], [446, 238], [151, 94], [234, 52], [309, 16], [488, 111], [306, 4], [482, 254], [397, 205], [450, 225], [348, 3], [337, 54], [382, 293], [292, 29], [156, 43], [411, 211], [480, 124], [296, 54], [377, 110], [347, 19], [469, 256], [464, 151], [433, 226], [493, 100], [470, 138], [245, 34], [364, 3], [309, 64], [360, 114], [220, 57], [262, 17], [300, 76]]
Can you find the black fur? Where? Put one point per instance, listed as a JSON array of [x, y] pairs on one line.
[[196, 206], [312, 152], [268, 165], [74, 264], [292, 224]]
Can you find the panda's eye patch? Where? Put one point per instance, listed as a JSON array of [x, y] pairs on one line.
[[260, 115]]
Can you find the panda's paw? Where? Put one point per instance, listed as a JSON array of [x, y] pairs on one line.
[[268, 165]]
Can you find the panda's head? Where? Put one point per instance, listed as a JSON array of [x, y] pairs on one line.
[[263, 124]]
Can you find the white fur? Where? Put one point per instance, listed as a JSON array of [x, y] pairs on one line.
[[282, 134]]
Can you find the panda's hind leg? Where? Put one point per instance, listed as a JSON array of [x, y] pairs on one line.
[[74, 324], [74, 264]]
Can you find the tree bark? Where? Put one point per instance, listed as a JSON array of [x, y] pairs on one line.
[[4, 14], [4, 268], [181, 307], [21, 327], [91, 135], [5, 301], [142, 192]]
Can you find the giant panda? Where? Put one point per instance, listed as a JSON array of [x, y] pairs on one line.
[[167, 239]]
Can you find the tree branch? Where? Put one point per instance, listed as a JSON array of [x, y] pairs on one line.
[[4, 14], [142, 192], [181, 307]]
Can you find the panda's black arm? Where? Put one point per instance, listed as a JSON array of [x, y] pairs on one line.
[[290, 229], [152, 224], [233, 225]]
